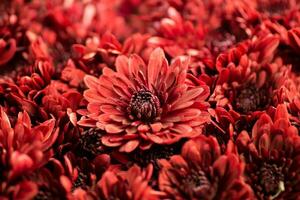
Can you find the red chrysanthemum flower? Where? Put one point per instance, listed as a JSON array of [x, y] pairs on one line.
[[92, 108], [100, 52], [222, 126], [23, 148], [51, 181], [13, 39], [201, 42], [240, 18], [138, 104], [31, 144], [72, 75], [290, 94], [141, 15], [276, 9], [201, 172], [177, 36], [127, 185], [55, 100], [227, 124], [64, 23], [249, 76], [272, 156]]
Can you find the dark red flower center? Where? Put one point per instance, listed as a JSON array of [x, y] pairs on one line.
[[252, 98], [89, 144], [271, 179], [144, 106]]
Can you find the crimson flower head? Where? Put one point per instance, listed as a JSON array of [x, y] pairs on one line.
[[250, 76], [51, 181], [201, 172], [131, 184], [272, 156], [138, 104], [178, 37], [119, 184], [26, 147], [23, 149]]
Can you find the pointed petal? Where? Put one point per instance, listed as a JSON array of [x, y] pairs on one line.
[[154, 65]]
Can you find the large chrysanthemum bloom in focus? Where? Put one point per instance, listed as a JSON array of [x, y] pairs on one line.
[[201, 172], [250, 76], [127, 185], [272, 156], [138, 105], [23, 148]]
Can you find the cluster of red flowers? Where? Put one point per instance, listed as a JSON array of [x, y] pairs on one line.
[[150, 99]]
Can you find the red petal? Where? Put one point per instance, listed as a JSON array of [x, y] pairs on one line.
[[91, 82], [130, 146], [6, 55], [154, 65], [112, 128], [122, 65]]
